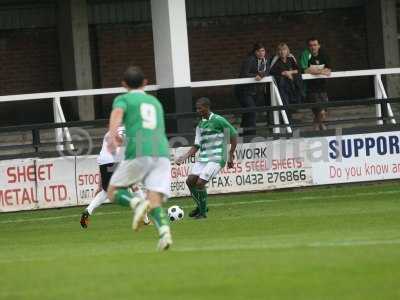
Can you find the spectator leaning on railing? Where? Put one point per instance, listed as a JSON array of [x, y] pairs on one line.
[[256, 66], [287, 75], [316, 62]]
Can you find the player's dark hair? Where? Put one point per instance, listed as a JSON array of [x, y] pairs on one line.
[[257, 46], [133, 77], [204, 101], [311, 39]]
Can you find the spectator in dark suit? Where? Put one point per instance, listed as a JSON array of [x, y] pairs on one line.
[[256, 66]]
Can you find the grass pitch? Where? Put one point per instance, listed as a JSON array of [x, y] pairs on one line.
[[321, 243]]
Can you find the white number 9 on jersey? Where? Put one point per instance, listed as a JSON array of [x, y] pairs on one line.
[[149, 116]]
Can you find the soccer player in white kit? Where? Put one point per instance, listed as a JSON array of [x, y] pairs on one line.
[[107, 162]]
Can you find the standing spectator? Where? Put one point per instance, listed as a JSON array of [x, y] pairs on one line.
[[315, 61], [256, 66], [286, 72]]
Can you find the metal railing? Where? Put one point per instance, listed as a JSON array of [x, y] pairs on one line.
[[276, 99], [279, 110], [39, 148]]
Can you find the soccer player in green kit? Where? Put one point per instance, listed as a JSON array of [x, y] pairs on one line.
[[146, 155], [213, 134]]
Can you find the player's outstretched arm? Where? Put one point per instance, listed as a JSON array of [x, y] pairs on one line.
[[115, 139], [232, 134], [233, 141], [192, 151]]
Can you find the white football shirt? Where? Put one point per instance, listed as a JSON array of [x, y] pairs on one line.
[[105, 156]]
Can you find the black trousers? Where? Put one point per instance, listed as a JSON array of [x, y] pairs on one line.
[[106, 172], [249, 118]]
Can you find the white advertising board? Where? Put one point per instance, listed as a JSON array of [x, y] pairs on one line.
[[55, 182], [18, 185], [356, 158], [257, 166], [87, 178]]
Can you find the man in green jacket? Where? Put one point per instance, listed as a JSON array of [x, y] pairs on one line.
[[314, 61]]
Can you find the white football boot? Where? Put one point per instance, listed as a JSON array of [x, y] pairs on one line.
[[140, 211], [165, 241]]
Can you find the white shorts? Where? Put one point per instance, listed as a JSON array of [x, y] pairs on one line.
[[205, 170], [153, 172]]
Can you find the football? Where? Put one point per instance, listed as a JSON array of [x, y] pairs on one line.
[[175, 213]]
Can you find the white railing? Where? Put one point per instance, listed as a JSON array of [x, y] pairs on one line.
[[276, 99], [59, 117]]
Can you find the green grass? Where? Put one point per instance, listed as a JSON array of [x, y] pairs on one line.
[[321, 243]]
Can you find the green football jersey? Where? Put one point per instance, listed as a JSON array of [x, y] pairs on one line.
[[212, 137], [144, 124]]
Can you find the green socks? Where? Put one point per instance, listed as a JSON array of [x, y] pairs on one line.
[[159, 217], [123, 197], [195, 195], [202, 198]]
